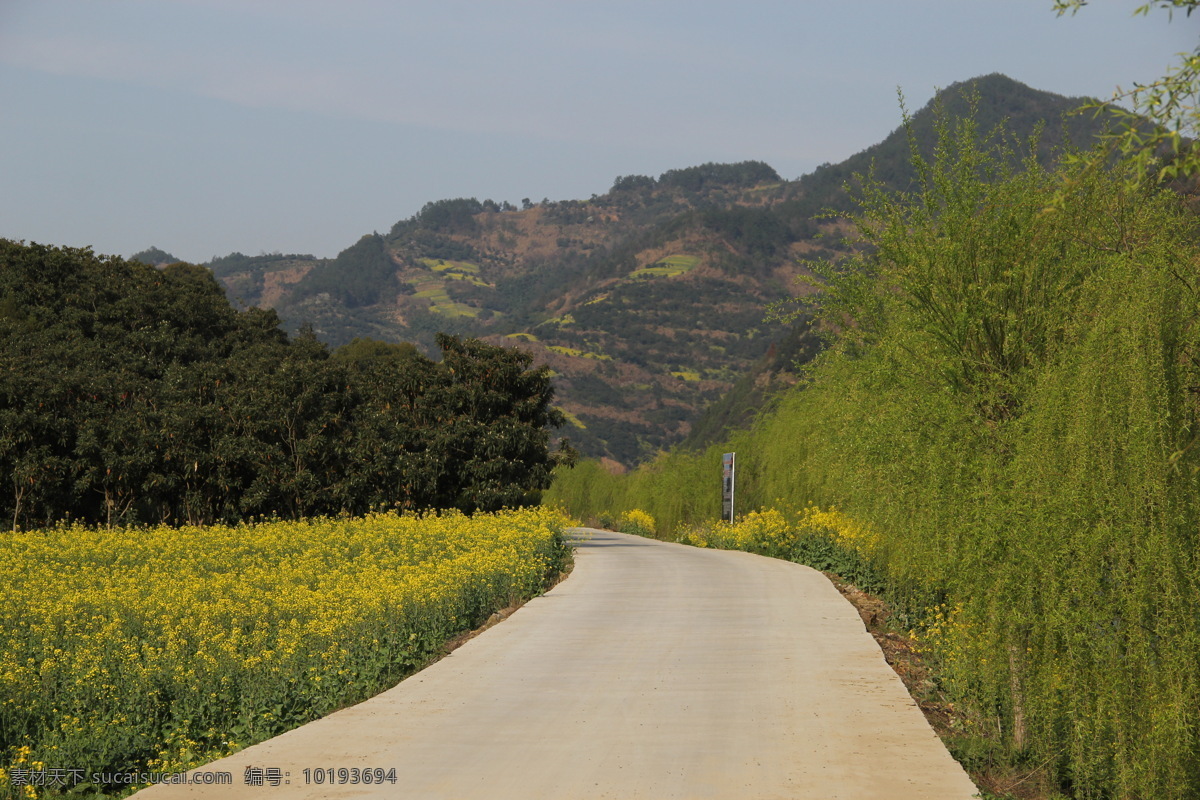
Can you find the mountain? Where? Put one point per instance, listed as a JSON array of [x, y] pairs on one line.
[[647, 301], [154, 257], [995, 100]]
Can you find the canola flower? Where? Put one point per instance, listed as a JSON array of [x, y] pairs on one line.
[[851, 533], [637, 522], [164, 648], [758, 531], [943, 634], [776, 533], [825, 539]]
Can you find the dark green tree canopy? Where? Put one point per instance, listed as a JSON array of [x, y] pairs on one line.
[[745, 173], [450, 216], [135, 394], [360, 275], [363, 348], [154, 257]]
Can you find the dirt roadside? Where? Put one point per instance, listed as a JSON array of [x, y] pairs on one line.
[[999, 780]]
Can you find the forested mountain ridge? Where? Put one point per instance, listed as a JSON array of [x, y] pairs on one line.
[[647, 302]]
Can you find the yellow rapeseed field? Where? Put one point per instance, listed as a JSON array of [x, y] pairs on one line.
[[162, 648]]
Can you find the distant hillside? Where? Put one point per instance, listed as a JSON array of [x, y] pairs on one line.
[[154, 257], [1001, 101], [647, 301]]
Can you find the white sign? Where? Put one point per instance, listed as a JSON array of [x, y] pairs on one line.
[[728, 476]]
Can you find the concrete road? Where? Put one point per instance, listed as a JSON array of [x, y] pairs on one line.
[[654, 671]]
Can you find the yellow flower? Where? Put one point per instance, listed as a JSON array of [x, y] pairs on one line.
[[231, 620], [638, 522]]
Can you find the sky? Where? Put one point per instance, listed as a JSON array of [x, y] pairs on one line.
[[205, 127]]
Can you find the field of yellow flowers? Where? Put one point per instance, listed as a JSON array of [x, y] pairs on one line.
[[159, 649]]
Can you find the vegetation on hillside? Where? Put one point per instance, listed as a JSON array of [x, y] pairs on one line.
[[666, 275], [361, 275], [993, 100], [154, 257], [1009, 405]]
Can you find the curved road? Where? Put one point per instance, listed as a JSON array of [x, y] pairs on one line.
[[654, 671]]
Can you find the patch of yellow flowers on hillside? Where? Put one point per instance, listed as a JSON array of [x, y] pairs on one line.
[[191, 643]]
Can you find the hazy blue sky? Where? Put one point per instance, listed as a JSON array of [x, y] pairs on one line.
[[208, 126]]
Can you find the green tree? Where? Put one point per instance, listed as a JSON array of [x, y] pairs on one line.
[[361, 274], [490, 416], [1169, 104], [364, 348], [154, 257], [450, 216], [132, 394]]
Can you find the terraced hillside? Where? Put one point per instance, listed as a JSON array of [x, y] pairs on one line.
[[647, 301]]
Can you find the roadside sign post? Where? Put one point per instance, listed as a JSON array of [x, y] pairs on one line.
[[728, 478]]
